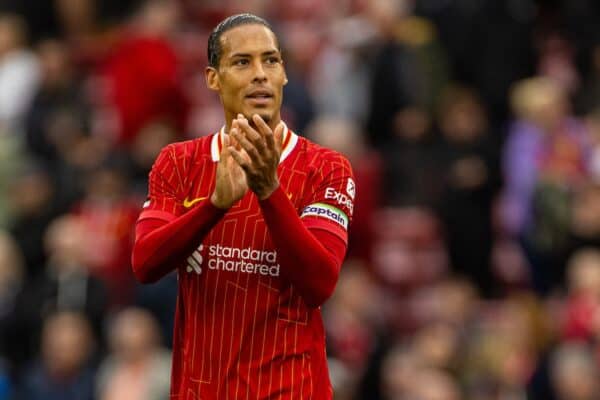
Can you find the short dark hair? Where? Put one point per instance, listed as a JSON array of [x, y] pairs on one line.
[[214, 40]]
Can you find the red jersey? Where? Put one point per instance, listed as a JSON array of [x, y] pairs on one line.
[[241, 330]]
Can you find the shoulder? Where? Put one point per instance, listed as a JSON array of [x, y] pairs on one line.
[[322, 158], [182, 153], [187, 148]]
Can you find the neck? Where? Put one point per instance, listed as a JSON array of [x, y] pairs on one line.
[[273, 122]]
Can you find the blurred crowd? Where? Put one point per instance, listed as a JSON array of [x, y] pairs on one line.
[[473, 127]]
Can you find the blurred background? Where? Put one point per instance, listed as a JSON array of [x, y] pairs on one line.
[[473, 127]]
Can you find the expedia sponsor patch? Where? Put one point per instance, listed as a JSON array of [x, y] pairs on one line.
[[326, 211]]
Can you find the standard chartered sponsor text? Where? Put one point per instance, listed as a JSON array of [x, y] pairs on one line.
[[246, 260]]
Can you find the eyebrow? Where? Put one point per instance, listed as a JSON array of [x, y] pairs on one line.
[[266, 53]]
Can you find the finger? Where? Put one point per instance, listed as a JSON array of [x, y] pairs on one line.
[[261, 125], [249, 131], [224, 149], [234, 128], [235, 143], [274, 141], [240, 159], [265, 130], [226, 141], [278, 136], [249, 147]]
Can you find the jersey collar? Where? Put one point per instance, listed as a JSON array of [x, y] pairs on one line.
[[290, 139]]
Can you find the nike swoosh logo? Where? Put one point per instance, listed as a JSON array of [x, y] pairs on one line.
[[289, 195], [188, 203]]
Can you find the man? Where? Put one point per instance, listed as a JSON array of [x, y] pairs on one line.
[[254, 219]]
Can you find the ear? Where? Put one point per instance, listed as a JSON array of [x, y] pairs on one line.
[[285, 79], [212, 79]]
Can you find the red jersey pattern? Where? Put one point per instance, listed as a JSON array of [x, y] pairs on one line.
[[241, 330]]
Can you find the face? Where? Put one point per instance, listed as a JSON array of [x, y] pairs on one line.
[[250, 76]]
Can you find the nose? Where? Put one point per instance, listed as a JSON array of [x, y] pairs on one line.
[[259, 72]]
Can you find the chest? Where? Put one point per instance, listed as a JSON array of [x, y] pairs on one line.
[[240, 243]]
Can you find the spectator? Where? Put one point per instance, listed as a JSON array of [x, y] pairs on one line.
[[584, 224], [107, 214], [435, 384], [12, 327], [138, 367], [342, 135], [67, 283], [546, 158], [19, 73], [409, 69], [583, 301], [64, 371], [141, 73], [59, 96], [32, 197], [144, 150], [468, 163], [574, 373], [353, 319]]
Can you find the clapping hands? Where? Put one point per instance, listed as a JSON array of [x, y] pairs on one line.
[[248, 160]]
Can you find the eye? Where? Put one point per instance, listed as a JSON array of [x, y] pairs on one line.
[[240, 62], [272, 60]]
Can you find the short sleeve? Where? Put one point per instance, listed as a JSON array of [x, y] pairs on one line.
[[330, 206], [163, 189]]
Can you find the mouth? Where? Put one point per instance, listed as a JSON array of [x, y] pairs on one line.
[[260, 96]]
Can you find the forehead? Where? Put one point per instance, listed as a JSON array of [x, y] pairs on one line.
[[248, 39]]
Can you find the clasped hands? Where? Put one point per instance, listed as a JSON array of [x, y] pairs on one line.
[[248, 160]]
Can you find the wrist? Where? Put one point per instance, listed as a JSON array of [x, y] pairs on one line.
[[217, 203], [268, 192]]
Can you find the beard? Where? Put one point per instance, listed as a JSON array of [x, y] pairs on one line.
[[265, 117]]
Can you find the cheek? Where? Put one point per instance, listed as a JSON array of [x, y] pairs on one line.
[[231, 95]]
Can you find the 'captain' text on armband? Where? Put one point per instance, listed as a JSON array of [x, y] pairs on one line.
[[326, 211]]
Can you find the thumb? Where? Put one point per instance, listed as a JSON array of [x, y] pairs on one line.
[[225, 145]]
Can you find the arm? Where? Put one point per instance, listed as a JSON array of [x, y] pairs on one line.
[[312, 258], [159, 242], [163, 237], [310, 247]]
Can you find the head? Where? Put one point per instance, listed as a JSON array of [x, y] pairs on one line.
[[246, 68], [574, 372], [339, 134], [67, 343], [461, 114], [55, 63], [134, 335], [13, 33], [583, 272], [434, 384], [64, 243], [157, 17], [437, 344], [77, 17], [540, 101], [31, 190], [401, 366]]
